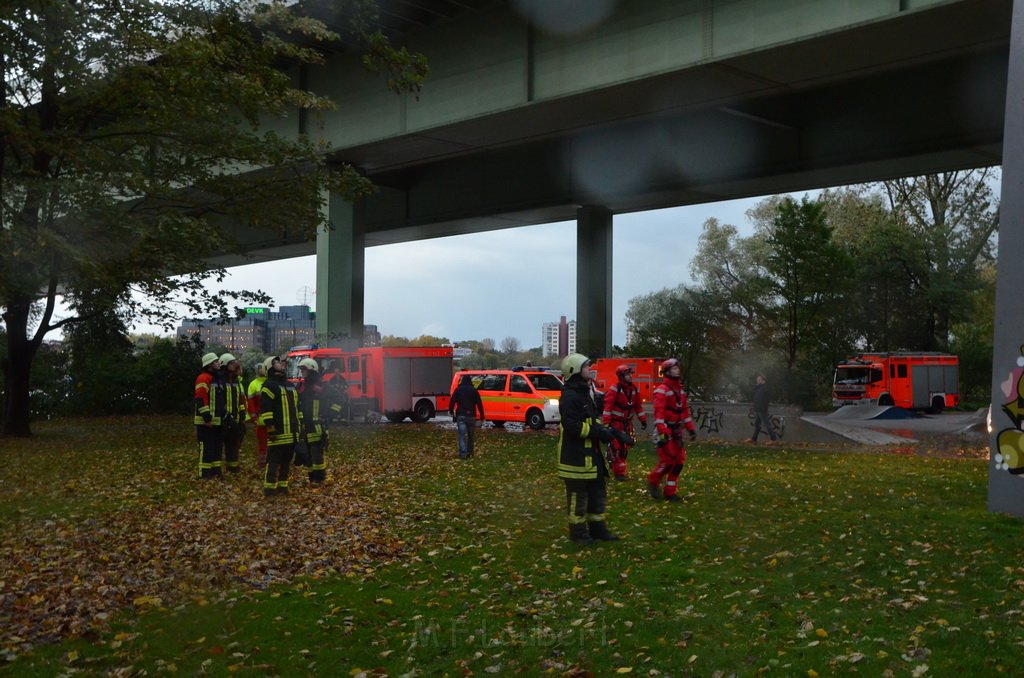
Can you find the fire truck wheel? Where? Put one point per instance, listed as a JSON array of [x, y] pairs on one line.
[[938, 404], [885, 400], [423, 412], [535, 419], [395, 417]]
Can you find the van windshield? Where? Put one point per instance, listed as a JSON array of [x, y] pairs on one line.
[[545, 382]]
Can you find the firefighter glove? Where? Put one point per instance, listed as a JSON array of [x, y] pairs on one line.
[[663, 440], [207, 417], [602, 433], [623, 438]]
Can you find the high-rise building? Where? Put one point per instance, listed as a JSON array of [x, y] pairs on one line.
[[558, 339]]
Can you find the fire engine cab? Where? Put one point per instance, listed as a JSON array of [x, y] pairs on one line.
[[917, 381]]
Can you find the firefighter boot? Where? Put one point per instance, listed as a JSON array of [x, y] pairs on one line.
[[599, 531], [654, 490], [578, 534]]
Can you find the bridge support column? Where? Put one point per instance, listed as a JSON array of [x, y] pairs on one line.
[[340, 275], [1006, 485], [593, 281]]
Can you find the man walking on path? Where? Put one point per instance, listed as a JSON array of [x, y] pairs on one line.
[[762, 397]]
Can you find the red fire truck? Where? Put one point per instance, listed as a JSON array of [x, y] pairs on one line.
[[917, 381], [645, 374], [399, 382]]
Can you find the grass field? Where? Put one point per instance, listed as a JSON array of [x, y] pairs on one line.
[[115, 560]]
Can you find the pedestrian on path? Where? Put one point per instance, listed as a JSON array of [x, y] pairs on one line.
[[762, 398]]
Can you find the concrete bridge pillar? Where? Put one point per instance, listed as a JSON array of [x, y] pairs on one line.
[[340, 274], [593, 281], [1006, 459]]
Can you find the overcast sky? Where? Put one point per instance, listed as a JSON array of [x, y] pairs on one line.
[[505, 283]]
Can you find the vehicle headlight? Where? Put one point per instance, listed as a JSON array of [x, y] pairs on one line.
[[553, 402]]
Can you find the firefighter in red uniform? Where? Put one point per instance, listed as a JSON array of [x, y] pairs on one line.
[[209, 408], [671, 416], [621, 402]]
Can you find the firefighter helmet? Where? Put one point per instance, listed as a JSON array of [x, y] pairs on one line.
[[667, 365], [268, 364], [209, 359], [574, 364], [309, 364], [623, 370], [226, 358]]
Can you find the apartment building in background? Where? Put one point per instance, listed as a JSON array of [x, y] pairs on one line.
[[558, 339], [264, 329]]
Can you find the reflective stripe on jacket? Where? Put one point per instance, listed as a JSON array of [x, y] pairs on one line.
[[279, 412], [671, 408], [579, 456], [621, 402], [209, 399]]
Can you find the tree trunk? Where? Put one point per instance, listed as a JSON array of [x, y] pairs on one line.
[[17, 367]]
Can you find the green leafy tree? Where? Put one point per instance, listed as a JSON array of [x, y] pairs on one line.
[[102, 360], [801, 266], [954, 218], [884, 307], [682, 323], [130, 135], [732, 270], [972, 340], [165, 372]]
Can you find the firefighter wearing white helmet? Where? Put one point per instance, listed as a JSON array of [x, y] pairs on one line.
[[621, 402], [315, 400], [209, 411], [671, 416], [280, 414], [581, 464], [235, 409]]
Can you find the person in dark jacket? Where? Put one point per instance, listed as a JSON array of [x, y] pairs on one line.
[[236, 406], [762, 396], [280, 413], [581, 464], [464, 405]]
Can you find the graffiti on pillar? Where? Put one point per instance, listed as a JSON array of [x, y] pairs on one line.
[[708, 419], [1009, 455], [778, 423]]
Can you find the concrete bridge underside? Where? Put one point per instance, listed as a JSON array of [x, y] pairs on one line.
[[518, 127]]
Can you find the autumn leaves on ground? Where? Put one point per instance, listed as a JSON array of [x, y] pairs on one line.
[[116, 560]]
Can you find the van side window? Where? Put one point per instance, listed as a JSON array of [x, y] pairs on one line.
[[520, 385], [901, 371], [492, 382]]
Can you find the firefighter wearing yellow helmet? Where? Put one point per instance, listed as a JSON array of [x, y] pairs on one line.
[[253, 399]]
